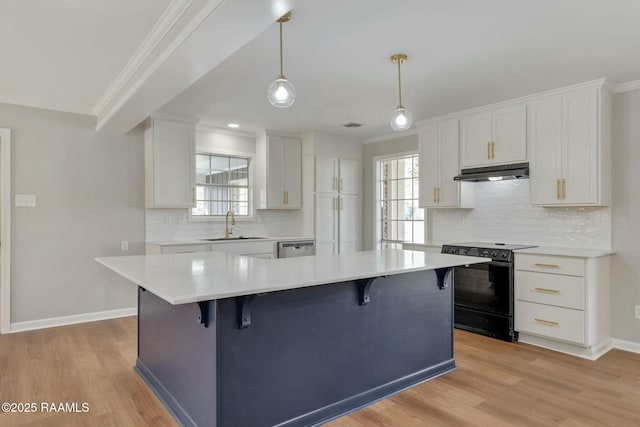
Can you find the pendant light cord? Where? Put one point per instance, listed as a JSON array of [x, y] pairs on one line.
[[281, 72], [399, 83]]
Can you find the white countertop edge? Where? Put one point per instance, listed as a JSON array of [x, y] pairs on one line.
[[571, 252], [216, 242], [454, 260]]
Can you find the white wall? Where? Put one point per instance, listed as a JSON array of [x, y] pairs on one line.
[[174, 224], [90, 195], [625, 266]]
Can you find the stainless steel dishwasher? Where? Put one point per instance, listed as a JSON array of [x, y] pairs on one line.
[[293, 248]]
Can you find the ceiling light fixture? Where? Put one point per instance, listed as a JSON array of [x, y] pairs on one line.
[[233, 125], [401, 117], [282, 93]]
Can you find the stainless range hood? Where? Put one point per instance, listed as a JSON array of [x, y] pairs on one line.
[[494, 173]]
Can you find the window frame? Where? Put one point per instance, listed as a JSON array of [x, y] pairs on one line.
[[251, 199], [377, 229]]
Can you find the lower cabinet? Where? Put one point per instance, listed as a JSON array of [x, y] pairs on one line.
[[562, 302], [252, 248], [337, 228]]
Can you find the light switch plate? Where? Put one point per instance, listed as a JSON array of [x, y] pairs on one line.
[[26, 200]]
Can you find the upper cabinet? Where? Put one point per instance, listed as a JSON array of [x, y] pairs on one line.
[[494, 136], [336, 174], [169, 164], [279, 170], [570, 148], [439, 164]]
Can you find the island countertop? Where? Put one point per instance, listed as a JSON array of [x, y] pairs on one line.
[[202, 276]]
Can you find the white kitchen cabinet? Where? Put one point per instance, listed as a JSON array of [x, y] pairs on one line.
[[562, 302], [439, 163], [570, 149], [157, 248], [334, 174], [169, 164], [496, 136], [348, 224], [252, 248], [337, 223], [279, 170]]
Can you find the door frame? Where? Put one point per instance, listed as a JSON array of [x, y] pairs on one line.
[[5, 230]]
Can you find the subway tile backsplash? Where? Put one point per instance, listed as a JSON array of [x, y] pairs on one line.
[[502, 213], [173, 224]]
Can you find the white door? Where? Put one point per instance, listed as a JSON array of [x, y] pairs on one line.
[[580, 144], [545, 154], [326, 174], [475, 140], [349, 226], [448, 189], [509, 143], [428, 165], [326, 218], [349, 182]]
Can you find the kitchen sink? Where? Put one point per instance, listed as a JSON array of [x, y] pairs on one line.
[[217, 239]]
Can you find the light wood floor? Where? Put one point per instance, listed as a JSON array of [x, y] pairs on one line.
[[496, 384]]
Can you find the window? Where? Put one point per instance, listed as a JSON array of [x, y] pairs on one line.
[[399, 218], [222, 184]]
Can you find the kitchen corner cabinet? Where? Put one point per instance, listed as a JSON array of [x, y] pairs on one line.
[[337, 205], [169, 164], [438, 153], [570, 149], [562, 302], [493, 137], [279, 170]]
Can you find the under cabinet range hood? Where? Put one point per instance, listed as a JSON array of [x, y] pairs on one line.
[[494, 173]]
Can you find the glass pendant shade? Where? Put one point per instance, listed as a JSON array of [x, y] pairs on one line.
[[401, 119], [281, 93]]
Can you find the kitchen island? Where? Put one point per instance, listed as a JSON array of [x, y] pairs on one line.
[[229, 340]]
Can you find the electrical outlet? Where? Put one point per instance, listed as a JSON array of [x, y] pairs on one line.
[[124, 245], [637, 311]]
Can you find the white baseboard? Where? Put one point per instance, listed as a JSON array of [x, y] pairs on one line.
[[631, 346], [590, 353], [71, 320]]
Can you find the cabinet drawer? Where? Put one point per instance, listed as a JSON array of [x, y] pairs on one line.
[[552, 322], [550, 264], [180, 249], [552, 289]]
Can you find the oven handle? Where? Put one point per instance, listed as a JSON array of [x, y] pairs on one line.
[[506, 264]]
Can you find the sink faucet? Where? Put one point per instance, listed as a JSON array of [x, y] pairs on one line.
[[228, 230]]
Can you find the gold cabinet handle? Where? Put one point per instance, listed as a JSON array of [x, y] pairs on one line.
[[434, 194], [553, 291], [493, 149], [547, 322], [558, 189], [488, 150], [341, 184], [438, 194], [546, 265], [564, 188], [284, 197]]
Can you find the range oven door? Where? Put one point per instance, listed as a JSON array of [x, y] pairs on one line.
[[485, 287]]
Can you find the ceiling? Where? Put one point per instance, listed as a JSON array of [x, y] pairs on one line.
[[462, 54], [64, 54]]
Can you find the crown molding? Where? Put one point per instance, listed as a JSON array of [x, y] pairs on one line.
[[627, 86], [205, 127]]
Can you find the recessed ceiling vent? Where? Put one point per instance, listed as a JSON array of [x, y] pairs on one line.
[[352, 125]]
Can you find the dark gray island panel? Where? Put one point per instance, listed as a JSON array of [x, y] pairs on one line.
[[308, 355]]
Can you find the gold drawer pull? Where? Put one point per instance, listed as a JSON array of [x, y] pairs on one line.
[[547, 322], [553, 291], [185, 252], [546, 265]]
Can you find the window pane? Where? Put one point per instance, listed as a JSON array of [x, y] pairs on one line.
[[418, 231], [223, 185], [219, 163], [202, 168]]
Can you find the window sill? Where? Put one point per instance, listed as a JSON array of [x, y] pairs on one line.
[[221, 219]]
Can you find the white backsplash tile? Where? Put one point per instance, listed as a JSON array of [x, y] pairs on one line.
[[173, 224], [502, 213]]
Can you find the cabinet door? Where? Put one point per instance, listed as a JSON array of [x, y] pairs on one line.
[[349, 224], [292, 173], [448, 189], [509, 142], [545, 151], [326, 174], [475, 141], [326, 213], [580, 147], [349, 182], [275, 172], [170, 164], [428, 166]]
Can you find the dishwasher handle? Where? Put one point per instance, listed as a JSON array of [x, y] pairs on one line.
[[296, 245]]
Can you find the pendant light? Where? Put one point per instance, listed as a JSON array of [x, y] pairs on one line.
[[401, 117], [282, 93]]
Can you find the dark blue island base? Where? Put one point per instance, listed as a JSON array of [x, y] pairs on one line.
[[298, 357]]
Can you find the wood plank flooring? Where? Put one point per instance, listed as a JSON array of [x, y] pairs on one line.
[[496, 384]]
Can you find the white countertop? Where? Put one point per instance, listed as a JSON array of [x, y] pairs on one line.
[[574, 252], [208, 242], [202, 276]]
